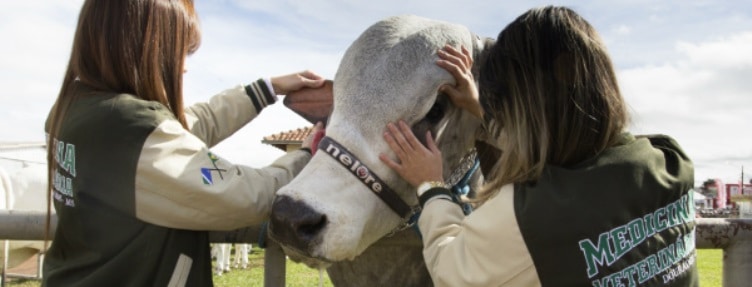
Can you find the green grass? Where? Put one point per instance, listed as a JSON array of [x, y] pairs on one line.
[[710, 267], [297, 274], [709, 264]]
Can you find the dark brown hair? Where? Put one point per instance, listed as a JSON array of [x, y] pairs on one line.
[[550, 89], [136, 47]]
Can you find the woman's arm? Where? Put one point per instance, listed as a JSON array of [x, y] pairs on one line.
[[227, 112], [232, 109], [485, 248], [181, 184]]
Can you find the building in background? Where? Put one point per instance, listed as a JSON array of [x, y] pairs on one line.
[[289, 140], [715, 193], [741, 195]]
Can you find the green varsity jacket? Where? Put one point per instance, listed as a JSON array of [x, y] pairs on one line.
[[624, 218], [136, 193]]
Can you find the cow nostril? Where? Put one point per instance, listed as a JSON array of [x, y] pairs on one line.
[[295, 223], [309, 228]]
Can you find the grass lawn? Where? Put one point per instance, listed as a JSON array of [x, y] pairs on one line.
[[297, 274], [710, 267], [709, 264]]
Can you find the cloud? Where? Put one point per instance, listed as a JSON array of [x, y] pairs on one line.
[[726, 53], [35, 50], [702, 99], [622, 29], [683, 65]]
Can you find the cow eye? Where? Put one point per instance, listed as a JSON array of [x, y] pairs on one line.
[[432, 118], [437, 111]]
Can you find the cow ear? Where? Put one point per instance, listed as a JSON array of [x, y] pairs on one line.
[[313, 104]]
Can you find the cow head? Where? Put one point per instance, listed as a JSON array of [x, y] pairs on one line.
[[389, 73]]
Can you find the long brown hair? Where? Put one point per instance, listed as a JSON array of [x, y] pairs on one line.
[[551, 90], [136, 47]]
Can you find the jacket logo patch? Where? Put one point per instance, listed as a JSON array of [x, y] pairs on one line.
[[206, 173]]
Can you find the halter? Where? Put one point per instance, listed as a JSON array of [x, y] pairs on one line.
[[409, 215], [348, 160], [460, 178]]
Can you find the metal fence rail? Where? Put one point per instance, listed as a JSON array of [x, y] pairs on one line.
[[734, 236]]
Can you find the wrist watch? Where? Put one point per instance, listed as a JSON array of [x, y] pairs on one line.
[[426, 185]]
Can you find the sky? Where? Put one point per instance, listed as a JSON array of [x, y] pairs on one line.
[[684, 66]]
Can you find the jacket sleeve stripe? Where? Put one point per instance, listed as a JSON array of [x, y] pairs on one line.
[[260, 95]]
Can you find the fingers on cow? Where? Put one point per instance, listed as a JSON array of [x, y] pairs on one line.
[[285, 84], [464, 94], [416, 163]]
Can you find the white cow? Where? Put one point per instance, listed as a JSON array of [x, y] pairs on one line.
[[331, 215], [24, 190]]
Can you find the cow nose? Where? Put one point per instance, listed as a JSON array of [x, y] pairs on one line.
[[294, 223]]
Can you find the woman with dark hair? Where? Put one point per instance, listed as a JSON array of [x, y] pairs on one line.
[[573, 199], [134, 183]]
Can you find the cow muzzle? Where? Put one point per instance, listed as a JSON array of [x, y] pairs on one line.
[[295, 224]]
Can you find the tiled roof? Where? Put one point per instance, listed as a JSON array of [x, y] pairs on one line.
[[291, 137]]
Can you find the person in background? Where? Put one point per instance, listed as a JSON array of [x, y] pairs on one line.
[[573, 199], [132, 177]]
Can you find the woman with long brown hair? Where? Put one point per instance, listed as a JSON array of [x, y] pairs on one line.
[[132, 177], [573, 199]]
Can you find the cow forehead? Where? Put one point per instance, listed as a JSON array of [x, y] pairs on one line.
[[398, 30], [393, 61], [398, 49]]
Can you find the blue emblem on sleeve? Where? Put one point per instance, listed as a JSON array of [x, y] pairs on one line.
[[206, 173], [206, 176]]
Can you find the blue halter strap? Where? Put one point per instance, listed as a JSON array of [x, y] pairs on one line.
[[462, 187]]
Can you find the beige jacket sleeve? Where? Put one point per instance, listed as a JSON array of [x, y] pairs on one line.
[[485, 248], [180, 183], [227, 112]]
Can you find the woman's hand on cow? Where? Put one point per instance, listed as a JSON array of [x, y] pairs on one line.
[[416, 163], [311, 142], [285, 84], [464, 93]]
